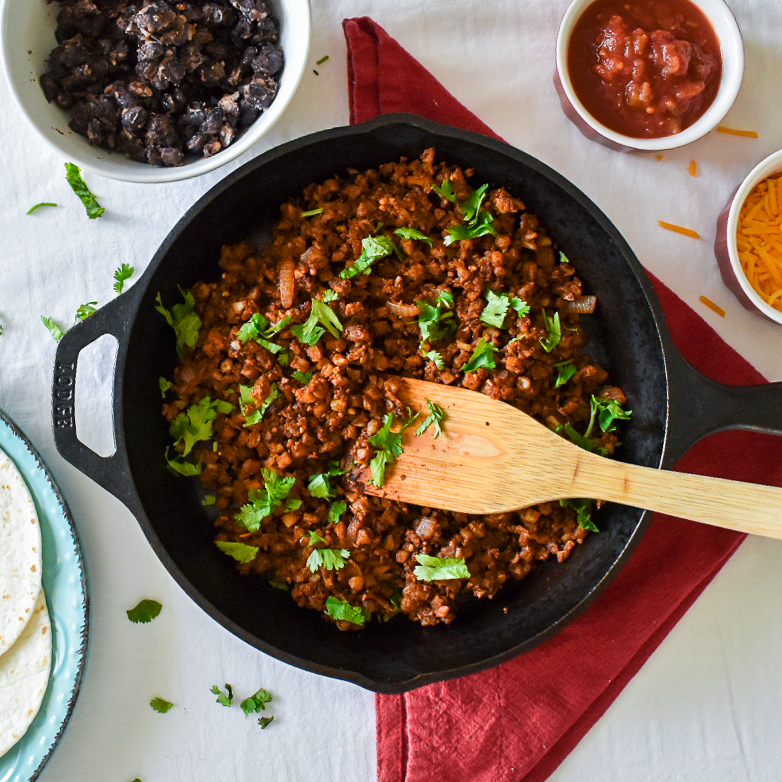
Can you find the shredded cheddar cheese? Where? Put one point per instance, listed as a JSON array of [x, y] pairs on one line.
[[759, 240], [712, 306], [679, 230], [693, 168], [734, 132]]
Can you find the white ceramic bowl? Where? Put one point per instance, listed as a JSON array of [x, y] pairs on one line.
[[26, 38], [725, 246], [732, 50]]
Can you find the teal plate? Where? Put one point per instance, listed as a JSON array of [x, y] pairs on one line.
[[65, 584]]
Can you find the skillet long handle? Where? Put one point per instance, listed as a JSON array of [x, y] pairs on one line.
[[744, 507]]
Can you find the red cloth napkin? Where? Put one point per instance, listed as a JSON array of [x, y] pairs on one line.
[[512, 723]]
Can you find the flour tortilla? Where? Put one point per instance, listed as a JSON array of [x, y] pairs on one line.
[[24, 676], [20, 555]]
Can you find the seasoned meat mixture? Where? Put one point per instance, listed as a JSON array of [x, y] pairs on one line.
[[295, 365]]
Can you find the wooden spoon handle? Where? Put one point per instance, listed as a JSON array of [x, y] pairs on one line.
[[744, 507]]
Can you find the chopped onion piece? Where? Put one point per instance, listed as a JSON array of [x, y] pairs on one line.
[[287, 283], [403, 310], [583, 305]]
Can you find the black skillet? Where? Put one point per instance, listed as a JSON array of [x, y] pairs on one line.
[[673, 406]]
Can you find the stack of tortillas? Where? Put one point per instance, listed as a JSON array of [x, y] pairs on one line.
[[25, 629]]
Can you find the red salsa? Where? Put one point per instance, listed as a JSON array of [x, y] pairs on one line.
[[644, 68]]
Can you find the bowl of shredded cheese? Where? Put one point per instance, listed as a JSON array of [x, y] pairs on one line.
[[749, 239]]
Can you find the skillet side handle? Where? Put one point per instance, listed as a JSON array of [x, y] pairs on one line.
[[111, 472], [700, 406]]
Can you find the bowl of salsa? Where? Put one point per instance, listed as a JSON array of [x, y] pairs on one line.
[[648, 74]]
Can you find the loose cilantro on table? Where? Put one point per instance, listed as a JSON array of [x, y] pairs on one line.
[[329, 558], [336, 510], [340, 609], [144, 612], [440, 568], [263, 502], [195, 424], [38, 206], [496, 309], [554, 332], [223, 698], [583, 509], [183, 319], [320, 484], [2, 329], [303, 377], [257, 702], [565, 370], [483, 356], [435, 418], [160, 706], [85, 310], [252, 411], [436, 321], [54, 329], [122, 275], [310, 332], [79, 186], [264, 722], [413, 233], [241, 552], [372, 249], [388, 445], [322, 60]]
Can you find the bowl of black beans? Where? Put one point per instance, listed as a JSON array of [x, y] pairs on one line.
[[146, 91]]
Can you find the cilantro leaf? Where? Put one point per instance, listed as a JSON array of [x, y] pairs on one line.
[[255, 413], [435, 418], [482, 356], [445, 191], [85, 310], [54, 329], [259, 329], [554, 329], [470, 206], [372, 249], [38, 206], [336, 510], [563, 258], [329, 558], [312, 212], [608, 412], [164, 386], [565, 370], [303, 377], [582, 441], [121, 275], [265, 721], [2, 329], [440, 568], [340, 609], [79, 186], [144, 612], [497, 308], [320, 485], [241, 552], [412, 233], [520, 306], [160, 706], [436, 321], [481, 227], [223, 698], [310, 332], [314, 537], [256, 702], [389, 446], [183, 319], [180, 466], [208, 499], [435, 356], [583, 509], [195, 424], [263, 502]]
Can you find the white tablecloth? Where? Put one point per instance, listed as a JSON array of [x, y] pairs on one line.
[[705, 707]]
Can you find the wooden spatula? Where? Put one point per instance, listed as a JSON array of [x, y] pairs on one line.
[[493, 458]]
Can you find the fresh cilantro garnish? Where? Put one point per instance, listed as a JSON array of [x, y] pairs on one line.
[[340, 609], [320, 484], [208, 499], [253, 412], [38, 206], [144, 612], [284, 358], [435, 418], [482, 356], [497, 308], [160, 706], [579, 439], [565, 370], [223, 698], [372, 249], [472, 204], [256, 702], [439, 568], [85, 310], [314, 537], [336, 510], [563, 258], [183, 319], [303, 377], [263, 502], [2, 329], [180, 466], [520, 306], [259, 329], [583, 509], [265, 721], [482, 226], [54, 329], [412, 233], [312, 212], [435, 356], [293, 503], [241, 552], [164, 386], [436, 321], [329, 558], [79, 186], [445, 191], [279, 585], [608, 411], [388, 445], [329, 295], [121, 275], [554, 329], [195, 424], [310, 332]]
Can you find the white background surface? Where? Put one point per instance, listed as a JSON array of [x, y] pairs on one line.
[[706, 706]]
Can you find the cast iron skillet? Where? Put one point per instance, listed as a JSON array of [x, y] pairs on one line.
[[672, 407]]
